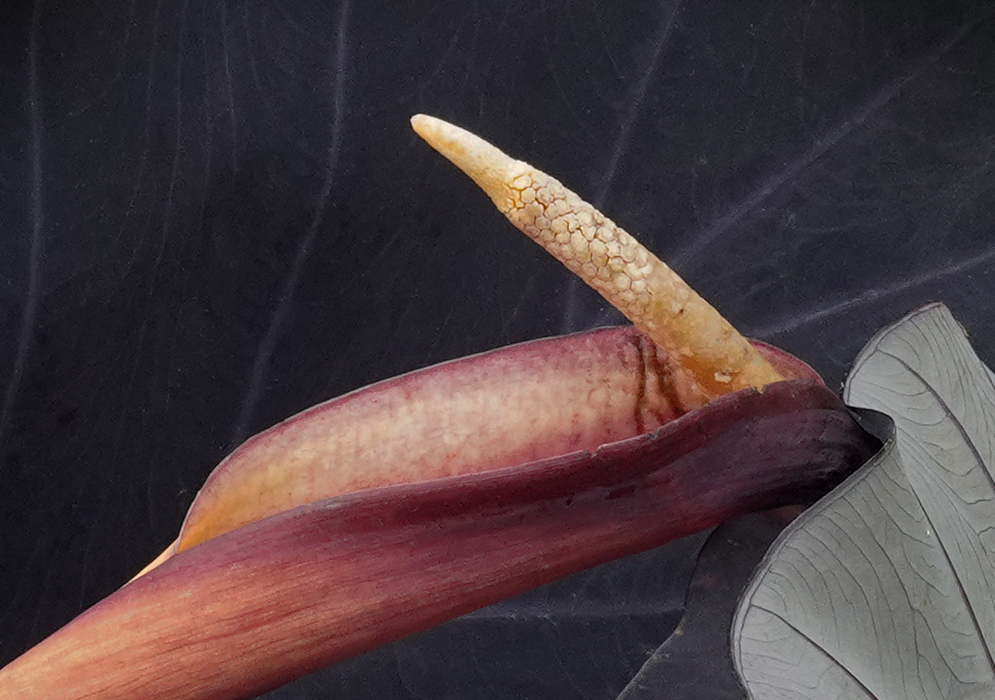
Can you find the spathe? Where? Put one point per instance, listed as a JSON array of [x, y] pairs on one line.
[[265, 603]]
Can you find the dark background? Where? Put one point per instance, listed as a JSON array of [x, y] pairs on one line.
[[214, 214]]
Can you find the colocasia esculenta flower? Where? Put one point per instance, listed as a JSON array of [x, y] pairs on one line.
[[406, 503]]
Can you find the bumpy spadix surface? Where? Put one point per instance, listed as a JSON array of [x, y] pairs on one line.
[[610, 260]]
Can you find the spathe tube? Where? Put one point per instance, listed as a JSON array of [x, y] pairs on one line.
[[265, 603]]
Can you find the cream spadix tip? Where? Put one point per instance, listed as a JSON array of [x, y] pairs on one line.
[[486, 165], [606, 257]]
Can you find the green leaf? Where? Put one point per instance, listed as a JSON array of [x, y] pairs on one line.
[[885, 588]]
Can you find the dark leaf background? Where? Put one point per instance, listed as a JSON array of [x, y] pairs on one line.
[[214, 214]]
